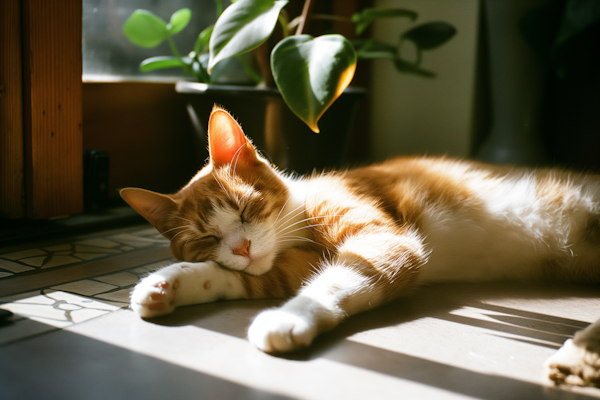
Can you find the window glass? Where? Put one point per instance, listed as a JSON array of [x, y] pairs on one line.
[[109, 56]]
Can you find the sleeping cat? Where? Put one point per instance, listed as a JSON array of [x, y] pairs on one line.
[[339, 243]]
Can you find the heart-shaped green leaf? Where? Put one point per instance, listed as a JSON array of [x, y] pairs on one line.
[[243, 26], [145, 29], [312, 72], [179, 20]]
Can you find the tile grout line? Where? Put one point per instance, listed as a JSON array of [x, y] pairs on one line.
[[19, 284]]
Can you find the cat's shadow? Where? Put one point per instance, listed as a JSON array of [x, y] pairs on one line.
[[436, 301]]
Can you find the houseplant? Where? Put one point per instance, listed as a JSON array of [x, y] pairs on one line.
[[309, 72], [247, 24]]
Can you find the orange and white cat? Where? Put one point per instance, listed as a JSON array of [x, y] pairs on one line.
[[339, 243]]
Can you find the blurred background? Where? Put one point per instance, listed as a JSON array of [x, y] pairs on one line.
[[518, 84]]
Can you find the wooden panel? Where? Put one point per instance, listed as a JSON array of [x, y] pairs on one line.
[[11, 112], [146, 130], [52, 107]]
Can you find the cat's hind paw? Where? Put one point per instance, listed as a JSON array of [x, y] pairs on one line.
[[154, 296], [278, 330], [574, 365]]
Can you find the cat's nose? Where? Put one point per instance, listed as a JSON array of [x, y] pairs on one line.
[[243, 250]]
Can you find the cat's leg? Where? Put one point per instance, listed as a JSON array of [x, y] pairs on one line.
[[577, 362], [182, 284], [369, 270]]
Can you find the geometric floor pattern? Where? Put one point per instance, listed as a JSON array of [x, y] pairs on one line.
[[73, 301], [43, 257], [72, 335]]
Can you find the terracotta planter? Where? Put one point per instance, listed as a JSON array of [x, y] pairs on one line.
[[273, 128]]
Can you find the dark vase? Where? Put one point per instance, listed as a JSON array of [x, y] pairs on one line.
[[275, 130]]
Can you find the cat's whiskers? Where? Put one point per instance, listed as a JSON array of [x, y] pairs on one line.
[[288, 217], [189, 229], [236, 157], [284, 228], [281, 210], [185, 219], [222, 187], [299, 238], [172, 229], [283, 225], [307, 226]]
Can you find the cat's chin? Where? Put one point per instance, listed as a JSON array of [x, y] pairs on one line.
[[259, 266], [254, 266]]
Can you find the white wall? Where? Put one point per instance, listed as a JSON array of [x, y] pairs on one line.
[[414, 115]]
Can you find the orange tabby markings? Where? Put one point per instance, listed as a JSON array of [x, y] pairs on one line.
[[343, 242]]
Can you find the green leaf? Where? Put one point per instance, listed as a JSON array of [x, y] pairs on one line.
[[145, 29], [203, 39], [161, 62], [199, 69], [371, 48], [179, 20], [430, 35], [311, 73], [243, 26], [364, 18]]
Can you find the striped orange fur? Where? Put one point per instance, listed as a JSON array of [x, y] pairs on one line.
[[342, 242]]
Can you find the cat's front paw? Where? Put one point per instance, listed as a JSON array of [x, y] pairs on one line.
[[154, 296], [279, 331], [574, 365]]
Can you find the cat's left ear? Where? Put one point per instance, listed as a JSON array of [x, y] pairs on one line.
[[227, 142], [155, 207]]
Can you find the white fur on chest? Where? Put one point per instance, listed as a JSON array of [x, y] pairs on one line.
[[292, 225]]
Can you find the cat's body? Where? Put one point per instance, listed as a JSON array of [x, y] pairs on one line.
[[340, 243]]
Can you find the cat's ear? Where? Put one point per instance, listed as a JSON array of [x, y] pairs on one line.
[[227, 142], [155, 207]]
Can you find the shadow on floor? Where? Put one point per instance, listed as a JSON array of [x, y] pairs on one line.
[[440, 302], [65, 365]]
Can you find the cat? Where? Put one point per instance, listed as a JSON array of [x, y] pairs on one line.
[[339, 243]]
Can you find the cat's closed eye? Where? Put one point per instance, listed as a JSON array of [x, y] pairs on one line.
[[211, 238]]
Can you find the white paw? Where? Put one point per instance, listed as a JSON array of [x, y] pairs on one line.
[[574, 365], [279, 331], [154, 296]]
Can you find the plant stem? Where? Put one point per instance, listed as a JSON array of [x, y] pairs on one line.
[[336, 18], [187, 68], [202, 75], [284, 25], [305, 14]]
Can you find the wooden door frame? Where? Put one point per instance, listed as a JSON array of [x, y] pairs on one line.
[[41, 156]]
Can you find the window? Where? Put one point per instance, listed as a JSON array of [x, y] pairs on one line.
[[109, 56]]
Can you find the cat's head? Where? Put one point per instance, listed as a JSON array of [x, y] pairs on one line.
[[229, 212]]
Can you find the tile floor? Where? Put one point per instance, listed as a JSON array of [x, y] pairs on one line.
[[72, 336]]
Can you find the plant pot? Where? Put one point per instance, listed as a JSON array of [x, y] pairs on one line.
[[275, 130]]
